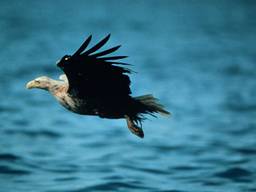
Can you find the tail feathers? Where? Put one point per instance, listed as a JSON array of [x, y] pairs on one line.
[[146, 104], [152, 105]]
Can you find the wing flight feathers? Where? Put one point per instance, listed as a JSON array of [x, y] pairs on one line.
[[112, 58], [96, 75], [97, 46], [83, 46], [117, 63], [106, 52]]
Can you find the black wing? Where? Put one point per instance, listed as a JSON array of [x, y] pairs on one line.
[[93, 75]]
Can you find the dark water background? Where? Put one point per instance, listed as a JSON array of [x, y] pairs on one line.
[[197, 57]]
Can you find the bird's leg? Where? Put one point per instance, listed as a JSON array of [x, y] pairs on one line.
[[133, 127]]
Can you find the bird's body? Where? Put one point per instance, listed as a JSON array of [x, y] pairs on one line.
[[67, 101], [96, 85]]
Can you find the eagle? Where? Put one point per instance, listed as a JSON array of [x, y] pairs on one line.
[[97, 84]]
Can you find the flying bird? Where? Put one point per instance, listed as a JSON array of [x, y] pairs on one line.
[[95, 83]]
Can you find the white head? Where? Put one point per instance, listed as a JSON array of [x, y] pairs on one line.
[[40, 83]]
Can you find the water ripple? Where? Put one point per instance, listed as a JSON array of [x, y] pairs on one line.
[[234, 173], [6, 170], [9, 157], [113, 186], [33, 134]]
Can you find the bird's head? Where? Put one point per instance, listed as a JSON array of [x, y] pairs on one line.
[[40, 83], [63, 61]]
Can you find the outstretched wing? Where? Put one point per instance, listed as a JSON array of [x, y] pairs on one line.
[[93, 74]]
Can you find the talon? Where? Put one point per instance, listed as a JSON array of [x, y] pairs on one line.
[[133, 127]]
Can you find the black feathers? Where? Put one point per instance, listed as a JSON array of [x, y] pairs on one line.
[[106, 51], [96, 76], [97, 46], [83, 46]]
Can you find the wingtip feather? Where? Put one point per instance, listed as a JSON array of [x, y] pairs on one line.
[[83, 46], [97, 46]]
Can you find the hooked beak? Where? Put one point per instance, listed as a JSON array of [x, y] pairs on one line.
[[30, 84]]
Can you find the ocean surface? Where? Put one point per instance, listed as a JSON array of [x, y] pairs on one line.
[[198, 57]]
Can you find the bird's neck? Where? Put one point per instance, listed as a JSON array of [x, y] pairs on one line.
[[57, 86]]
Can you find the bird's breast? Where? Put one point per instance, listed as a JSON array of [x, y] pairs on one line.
[[75, 105]]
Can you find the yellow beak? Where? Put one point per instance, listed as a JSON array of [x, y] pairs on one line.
[[30, 84]]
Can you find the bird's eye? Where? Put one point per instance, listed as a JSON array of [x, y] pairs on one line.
[[66, 58]]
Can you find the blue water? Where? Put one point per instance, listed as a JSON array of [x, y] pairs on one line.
[[197, 57]]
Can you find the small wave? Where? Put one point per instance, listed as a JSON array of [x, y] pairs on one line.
[[61, 170], [238, 107], [186, 168], [21, 122], [30, 133], [238, 70], [164, 148], [9, 109], [154, 171], [112, 186], [235, 173], [174, 190], [8, 157], [6, 170], [65, 179], [246, 151], [212, 183]]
